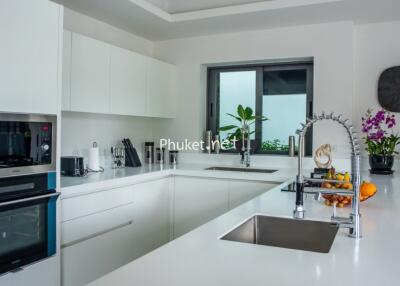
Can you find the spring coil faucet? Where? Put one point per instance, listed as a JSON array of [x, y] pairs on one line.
[[352, 222]]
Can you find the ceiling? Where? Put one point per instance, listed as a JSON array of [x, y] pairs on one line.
[[167, 19], [179, 6]]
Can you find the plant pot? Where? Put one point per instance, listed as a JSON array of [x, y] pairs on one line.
[[381, 163], [253, 146]]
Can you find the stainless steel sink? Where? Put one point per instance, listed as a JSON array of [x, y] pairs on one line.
[[238, 169], [316, 236]]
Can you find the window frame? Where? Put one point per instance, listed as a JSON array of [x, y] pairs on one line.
[[213, 94]]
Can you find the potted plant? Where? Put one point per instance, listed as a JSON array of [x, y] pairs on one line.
[[380, 140], [246, 120]]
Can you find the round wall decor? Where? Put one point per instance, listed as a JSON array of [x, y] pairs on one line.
[[389, 89]]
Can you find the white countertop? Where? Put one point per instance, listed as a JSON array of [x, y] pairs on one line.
[[200, 258], [114, 178]]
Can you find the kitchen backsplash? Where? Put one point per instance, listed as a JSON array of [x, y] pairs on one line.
[[80, 130]]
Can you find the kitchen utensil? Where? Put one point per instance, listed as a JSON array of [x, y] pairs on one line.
[[207, 140], [149, 152], [173, 157], [160, 155], [118, 153], [132, 158], [292, 146], [217, 145]]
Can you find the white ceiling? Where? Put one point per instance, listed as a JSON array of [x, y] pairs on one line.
[[166, 19], [179, 6]]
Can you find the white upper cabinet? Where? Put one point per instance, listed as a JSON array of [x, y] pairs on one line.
[[127, 83], [101, 78], [66, 71], [161, 82], [30, 32], [90, 75]]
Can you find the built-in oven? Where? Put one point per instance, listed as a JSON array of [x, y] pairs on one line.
[[28, 197], [27, 144], [27, 220]]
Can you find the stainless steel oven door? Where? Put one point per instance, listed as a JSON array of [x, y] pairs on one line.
[[27, 144], [27, 230]]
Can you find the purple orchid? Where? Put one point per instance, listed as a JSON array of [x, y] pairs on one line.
[[376, 128]]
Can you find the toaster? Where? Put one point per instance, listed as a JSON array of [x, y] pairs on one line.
[[72, 166]]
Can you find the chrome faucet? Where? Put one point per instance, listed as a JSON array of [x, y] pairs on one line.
[[245, 160], [353, 221]]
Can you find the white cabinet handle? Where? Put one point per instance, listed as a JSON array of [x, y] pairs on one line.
[[96, 234]]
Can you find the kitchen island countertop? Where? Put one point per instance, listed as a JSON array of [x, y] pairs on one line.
[[200, 258]]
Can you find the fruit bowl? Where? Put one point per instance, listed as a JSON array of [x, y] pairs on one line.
[[342, 201], [367, 190]]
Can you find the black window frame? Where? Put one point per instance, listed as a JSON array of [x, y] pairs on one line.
[[213, 90]]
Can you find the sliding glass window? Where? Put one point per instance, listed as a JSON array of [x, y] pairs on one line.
[[281, 92]]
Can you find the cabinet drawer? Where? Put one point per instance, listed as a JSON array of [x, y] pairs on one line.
[[81, 229], [84, 262], [76, 207]]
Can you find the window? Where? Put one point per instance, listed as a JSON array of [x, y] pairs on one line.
[[281, 92]]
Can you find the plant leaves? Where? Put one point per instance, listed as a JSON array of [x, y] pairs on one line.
[[227, 128], [258, 117], [236, 117], [241, 112], [248, 112]]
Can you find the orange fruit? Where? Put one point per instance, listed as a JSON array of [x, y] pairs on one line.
[[326, 185], [347, 186], [367, 189]]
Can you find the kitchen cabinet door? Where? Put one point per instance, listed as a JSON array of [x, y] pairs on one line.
[[243, 191], [103, 231], [88, 260], [66, 72], [197, 201], [90, 75], [161, 89], [127, 83], [151, 216], [30, 69]]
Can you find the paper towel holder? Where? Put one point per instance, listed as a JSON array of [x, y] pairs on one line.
[[97, 168]]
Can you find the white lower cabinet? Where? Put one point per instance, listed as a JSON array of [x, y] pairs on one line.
[[90, 259], [197, 201], [104, 230], [116, 227], [151, 216], [243, 191]]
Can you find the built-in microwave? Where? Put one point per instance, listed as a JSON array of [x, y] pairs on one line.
[[27, 144], [27, 220]]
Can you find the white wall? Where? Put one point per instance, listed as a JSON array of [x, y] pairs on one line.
[[80, 130], [348, 60], [331, 46], [377, 47]]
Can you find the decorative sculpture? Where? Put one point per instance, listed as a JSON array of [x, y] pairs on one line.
[[323, 151]]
